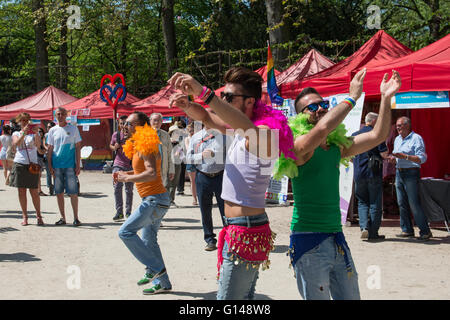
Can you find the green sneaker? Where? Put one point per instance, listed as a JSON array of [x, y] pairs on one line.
[[155, 290], [149, 277]]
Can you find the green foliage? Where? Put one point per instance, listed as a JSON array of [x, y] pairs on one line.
[[211, 36]]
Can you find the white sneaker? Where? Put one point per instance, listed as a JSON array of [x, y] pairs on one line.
[[365, 234]]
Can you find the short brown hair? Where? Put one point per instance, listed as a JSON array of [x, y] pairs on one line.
[[22, 115], [250, 81]]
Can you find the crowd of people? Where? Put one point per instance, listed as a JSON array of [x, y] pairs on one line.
[[229, 152]]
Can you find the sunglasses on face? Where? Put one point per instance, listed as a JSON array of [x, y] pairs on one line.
[[313, 107], [229, 96]]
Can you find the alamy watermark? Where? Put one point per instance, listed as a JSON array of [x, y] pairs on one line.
[[74, 280], [74, 20], [374, 17]]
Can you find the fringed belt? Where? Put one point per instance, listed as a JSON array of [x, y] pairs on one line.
[[250, 246]]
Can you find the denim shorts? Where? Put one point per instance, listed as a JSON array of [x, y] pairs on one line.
[[65, 179]]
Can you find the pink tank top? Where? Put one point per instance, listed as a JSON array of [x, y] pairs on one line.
[[246, 177]]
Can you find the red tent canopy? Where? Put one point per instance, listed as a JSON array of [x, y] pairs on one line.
[[377, 51], [427, 69], [98, 108], [311, 63], [158, 103], [40, 105]]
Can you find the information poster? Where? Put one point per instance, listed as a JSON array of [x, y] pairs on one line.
[[278, 189]]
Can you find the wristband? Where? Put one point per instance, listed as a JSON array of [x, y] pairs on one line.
[[23, 133], [350, 102], [205, 88], [210, 97], [207, 94], [406, 157]]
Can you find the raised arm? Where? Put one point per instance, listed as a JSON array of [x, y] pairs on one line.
[[366, 141], [306, 144], [225, 111]]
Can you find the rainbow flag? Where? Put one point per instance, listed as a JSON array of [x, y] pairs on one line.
[[272, 88]]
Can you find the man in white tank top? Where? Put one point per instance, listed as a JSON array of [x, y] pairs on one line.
[[246, 238]]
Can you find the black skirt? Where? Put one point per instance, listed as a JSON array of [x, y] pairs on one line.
[[20, 177]]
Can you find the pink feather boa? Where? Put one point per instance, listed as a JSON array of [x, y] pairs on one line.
[[275, 119]]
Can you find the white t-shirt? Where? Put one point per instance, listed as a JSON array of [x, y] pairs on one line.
[[21, 153], [63, 140], [5, 141]]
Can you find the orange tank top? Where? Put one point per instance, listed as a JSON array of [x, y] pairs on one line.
[[152, 187]]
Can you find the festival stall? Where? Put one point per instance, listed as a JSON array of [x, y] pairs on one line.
[[158, 103], [40, 105], [93, 116], [308, 65]]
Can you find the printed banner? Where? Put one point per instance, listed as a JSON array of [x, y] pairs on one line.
[[417, 100], [88, 122]]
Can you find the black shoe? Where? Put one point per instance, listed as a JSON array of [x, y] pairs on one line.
[[377, 237], [118, 216], [60, 222], [76, 223], [211, 247], [180, 193]]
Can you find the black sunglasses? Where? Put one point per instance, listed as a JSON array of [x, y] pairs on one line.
[[313, 107], [229, 96]]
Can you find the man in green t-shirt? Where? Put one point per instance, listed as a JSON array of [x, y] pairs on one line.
[[321, 258]]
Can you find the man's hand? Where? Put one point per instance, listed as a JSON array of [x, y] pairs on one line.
[[116, 146], [52, 172], [179, 100], [389, 88], [121, 176], [171, 176], [77, 170], [356, 85], [399, 155], [186, 83]]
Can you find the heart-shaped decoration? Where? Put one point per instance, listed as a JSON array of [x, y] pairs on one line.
[[115, 95]]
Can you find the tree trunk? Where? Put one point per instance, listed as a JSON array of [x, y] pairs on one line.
[[279, 34], [435, 22], [63, 71], [41, 44], [168, 28]]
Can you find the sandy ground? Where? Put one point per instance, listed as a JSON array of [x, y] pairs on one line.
[[91, 262]]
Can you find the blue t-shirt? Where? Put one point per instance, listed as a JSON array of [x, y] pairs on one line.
[[360, 162], [63, 140]]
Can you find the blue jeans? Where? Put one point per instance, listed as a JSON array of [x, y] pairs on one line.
[[147, 217], [322, 272], [207, 188], [369, 193], [407, 187], [65, 178], [118, 197], [236, 282]]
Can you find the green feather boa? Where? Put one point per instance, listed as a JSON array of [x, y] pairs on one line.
[[300, 126]]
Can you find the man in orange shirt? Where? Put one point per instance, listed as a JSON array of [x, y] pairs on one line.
[[146, 175]]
